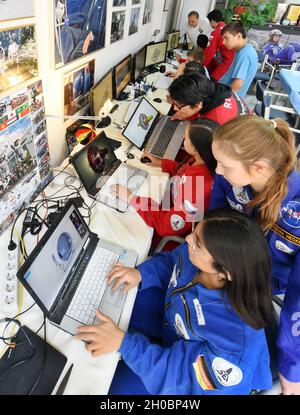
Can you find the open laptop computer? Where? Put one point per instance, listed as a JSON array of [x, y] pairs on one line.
[[66, 273], [157, 133], [98, 169]]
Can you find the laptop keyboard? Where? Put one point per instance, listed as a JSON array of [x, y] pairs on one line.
[[164, 138], [92, 287]]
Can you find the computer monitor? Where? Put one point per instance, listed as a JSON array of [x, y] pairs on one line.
[[155, 53], [101, 92], [139, 62], [173, 40], [122, 75]]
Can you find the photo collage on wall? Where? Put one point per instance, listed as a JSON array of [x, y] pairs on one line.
[[24, 152]]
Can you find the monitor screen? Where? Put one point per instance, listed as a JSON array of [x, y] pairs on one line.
[[122, 73], [173, 40], [139, 62], [93, 161], [51, 267], [155, 53], [140, 123], [101, 92]]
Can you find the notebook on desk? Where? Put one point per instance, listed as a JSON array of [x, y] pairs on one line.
[[99, 169], [66, 273], [157, 133]]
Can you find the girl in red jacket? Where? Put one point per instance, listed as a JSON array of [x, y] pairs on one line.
[[190, 184]]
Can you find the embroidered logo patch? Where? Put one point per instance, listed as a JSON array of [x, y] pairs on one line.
[[227, 373], [283, 247], [173, 280], [203, 376], [241, 195], [199, 312], [180, 327], [177, 223], [291, 214]]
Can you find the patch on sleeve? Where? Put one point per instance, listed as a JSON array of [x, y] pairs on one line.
[[283, 247], [177, 222], [199, 312], [227, 373], [180, 327], [203, 376]]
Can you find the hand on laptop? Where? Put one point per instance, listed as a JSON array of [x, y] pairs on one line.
[[170, 74], [120, 274], [177, 116], [122, 192], [155, 161], [102, 338]]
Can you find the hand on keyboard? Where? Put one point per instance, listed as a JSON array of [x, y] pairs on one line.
[[155, 161], [120, 274]]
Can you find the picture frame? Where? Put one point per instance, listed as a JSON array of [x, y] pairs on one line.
[[16, 9], [18, 56], [117, 25], [293, 12], [118, 3], [147, 13], [79, 28], [76, 87], [134, 20], [166, 6]]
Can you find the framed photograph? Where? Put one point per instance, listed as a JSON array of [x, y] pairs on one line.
[[118, 3], [134, 20], [117, 26], [79, 28], [16, 9], [77, 85], [166, 5], [293, 12], [147, 15], [133, 2], [281, 9], [18, 56]]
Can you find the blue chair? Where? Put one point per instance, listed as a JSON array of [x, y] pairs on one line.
[[265, 102]]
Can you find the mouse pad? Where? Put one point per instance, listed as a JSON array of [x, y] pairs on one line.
[[42, 360]]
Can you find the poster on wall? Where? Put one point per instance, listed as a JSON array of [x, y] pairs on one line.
[[117, 26], [147, 15], [24, 152], [118, 3], [79, 28], [134, 20], [280, 45], [16, 9], [77, 86], [18, 56], [135, 2]]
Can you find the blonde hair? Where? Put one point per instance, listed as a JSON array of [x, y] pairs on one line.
[[249, 139]]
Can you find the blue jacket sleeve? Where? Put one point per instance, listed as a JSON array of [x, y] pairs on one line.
[[157, 271], [289, 329], [218, 194], [186, 367]]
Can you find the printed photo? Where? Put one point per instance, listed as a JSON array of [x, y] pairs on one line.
[[147, 15], [79, 28], [77, 85], [118, 3], [117, 26], [16, 9], [18, 56], [134, 20]]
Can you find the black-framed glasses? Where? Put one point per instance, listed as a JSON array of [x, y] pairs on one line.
[[180, 106]]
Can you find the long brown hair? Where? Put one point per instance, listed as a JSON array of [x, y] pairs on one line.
[[249, 139]]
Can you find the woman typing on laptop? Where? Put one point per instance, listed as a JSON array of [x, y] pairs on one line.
[[191, 184], [204, 332]]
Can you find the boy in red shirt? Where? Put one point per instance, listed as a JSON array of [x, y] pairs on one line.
[[216, 50]]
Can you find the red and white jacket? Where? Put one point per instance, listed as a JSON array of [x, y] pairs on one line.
[[186, 190], [216, 69]]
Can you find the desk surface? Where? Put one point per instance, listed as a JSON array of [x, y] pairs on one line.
[[94, 375]]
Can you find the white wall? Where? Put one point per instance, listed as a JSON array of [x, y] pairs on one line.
[[104, 60]]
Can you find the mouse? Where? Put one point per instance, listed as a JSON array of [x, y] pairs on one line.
[[145, 159], [157, 100], [130, 156]]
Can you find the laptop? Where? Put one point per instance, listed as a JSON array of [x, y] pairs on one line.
[[99, 169], [66, 273], [157, 133]]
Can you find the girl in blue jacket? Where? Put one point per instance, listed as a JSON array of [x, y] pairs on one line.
[[201, 330], [256, 174]]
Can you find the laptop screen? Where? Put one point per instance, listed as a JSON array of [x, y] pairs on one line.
[[94, 161], [140, 123], [50, 268]]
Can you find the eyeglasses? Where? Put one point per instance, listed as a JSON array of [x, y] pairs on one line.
[[180, 106]]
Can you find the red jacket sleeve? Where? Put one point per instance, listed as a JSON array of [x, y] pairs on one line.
[[169, 166], [211, 50], [171, 222]]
